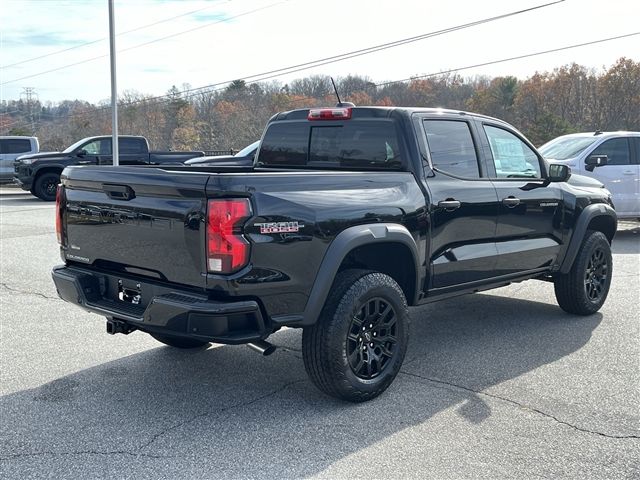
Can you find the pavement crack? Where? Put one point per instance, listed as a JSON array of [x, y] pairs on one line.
[[138, 452], [520, 405], [16, 456], [25, 292], [218, 411]]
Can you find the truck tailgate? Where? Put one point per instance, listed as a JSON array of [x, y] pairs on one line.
[[143, 221]]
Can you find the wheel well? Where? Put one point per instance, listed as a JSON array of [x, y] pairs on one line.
[[604, 224], [42, 171], [391, 258]]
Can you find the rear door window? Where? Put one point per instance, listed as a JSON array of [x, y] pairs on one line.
[[451, 147], [15, 145], [132, 145]]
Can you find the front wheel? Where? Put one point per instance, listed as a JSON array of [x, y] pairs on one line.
[[584, 289], [356, 348], [46, 185]]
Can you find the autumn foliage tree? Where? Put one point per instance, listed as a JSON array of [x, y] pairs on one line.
[[570, 98]]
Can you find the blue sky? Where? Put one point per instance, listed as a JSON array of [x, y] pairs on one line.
[[212, 41]]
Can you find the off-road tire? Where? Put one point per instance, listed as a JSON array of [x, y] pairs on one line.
[[179, 342], [326, 345], [45, 186], [584, 289]]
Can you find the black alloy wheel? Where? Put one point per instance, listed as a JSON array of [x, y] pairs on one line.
[[46, 185], [596, 275], [584, 289], [356, 348], [371, 342]]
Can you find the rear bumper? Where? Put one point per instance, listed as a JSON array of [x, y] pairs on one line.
[[161, 308]]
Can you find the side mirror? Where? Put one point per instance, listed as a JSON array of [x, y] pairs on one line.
[[559, 172], [595, 161], [81, 153]]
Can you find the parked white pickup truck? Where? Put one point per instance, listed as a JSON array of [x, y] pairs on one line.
[[10, 149], [620, 172]]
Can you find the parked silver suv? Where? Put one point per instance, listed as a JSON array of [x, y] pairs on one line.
[[10, 149], [620, 172]]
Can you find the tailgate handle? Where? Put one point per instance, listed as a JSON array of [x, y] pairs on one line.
[[119, 192]]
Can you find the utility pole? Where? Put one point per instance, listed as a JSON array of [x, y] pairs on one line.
[[114, 88], [30, 97]]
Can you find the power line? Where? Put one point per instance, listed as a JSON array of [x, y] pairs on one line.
[[368, 50], [382, 84], [348, 55], [142, 27], [518, 57], [86, 60]]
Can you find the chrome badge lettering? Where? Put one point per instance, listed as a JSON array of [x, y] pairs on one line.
[[279, 227]]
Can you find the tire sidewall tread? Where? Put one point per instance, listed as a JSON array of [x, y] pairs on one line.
[[569, 288], [324, 344]]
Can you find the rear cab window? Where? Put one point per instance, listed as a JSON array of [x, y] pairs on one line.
[[371, 144]]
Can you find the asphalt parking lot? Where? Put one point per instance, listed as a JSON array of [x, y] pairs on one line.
[[496, 385]]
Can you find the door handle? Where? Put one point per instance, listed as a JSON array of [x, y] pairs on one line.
[[511, 202], [629, 172], [449, 204]]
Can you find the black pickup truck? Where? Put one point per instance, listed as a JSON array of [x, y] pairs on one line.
[[347, 217], [40, 173]]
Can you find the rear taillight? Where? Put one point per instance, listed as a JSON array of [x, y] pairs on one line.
[[329, 114], [227, 249], [59, 200]]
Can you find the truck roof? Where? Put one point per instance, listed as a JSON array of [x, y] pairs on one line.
[[382, 112], [95, 137], [621, 133]]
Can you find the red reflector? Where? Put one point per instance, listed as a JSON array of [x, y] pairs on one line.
[[59, 196], [227, 249], [329, 114]]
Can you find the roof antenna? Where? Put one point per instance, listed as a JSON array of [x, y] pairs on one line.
[[340, 102]]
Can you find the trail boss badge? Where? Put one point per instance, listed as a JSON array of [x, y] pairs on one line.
[[279, 227]]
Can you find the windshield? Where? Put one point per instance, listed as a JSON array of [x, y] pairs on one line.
[[71, 148], [248, 150], [564, 148]]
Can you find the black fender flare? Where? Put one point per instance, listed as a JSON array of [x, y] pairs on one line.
[[345, 242], [588, 214]]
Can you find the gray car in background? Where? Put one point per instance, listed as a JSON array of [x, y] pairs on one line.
[[10, 149]]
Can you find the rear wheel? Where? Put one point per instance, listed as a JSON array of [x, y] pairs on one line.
[[584, 289], [178, 342], [46, 185], [357, 346]]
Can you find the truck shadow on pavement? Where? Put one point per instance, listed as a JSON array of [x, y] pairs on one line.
[[229, 410]]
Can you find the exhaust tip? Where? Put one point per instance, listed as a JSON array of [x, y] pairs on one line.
[[262, 347]]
